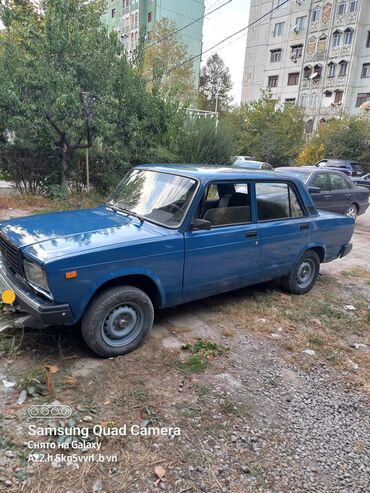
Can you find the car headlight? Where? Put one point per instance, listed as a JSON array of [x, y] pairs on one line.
[[35, 275]]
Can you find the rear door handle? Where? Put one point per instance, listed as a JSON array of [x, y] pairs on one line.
[[304, 226], [348, 195], [327, 196], [250, 234]]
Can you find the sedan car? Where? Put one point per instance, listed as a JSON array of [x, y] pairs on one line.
[[363, 181], [250, 164], [331, 190], [350, 168], [167, 235]]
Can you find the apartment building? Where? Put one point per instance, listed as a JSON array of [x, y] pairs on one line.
[[314, 53], [133, 18]]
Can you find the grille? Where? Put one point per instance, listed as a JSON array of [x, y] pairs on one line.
[[10, 255]]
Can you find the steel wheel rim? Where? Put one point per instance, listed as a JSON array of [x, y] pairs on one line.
[[122, 324], [352, 211], [305, 273]]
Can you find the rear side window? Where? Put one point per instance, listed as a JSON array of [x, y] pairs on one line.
[[277, 201], [337, 182], [357, 167]]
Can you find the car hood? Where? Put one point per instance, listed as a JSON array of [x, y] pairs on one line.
[[50, 236]]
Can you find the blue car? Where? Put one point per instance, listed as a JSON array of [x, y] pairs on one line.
[[167, 235]]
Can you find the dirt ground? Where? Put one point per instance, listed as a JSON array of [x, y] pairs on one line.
[[269, 391]]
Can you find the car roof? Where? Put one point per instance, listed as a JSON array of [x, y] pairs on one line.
[[204, 172]]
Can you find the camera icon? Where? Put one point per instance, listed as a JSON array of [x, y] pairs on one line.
[[49, 411]]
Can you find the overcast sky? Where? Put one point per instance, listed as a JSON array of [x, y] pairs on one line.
[[219, 25]]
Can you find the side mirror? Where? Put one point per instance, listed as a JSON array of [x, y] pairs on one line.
[[200, 224], [313, 190]]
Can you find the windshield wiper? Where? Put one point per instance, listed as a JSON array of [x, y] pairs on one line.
[[126, 211]]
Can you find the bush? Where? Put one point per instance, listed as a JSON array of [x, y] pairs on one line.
[[30, 171], [199, 143]]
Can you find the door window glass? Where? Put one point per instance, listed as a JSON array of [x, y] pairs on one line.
[[320, 180], [227, 204], [277, 201], [338, 182]]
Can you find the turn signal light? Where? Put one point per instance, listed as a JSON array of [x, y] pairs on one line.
[[71, 275]]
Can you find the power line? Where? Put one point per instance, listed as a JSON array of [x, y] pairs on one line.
[[187, 25], [225, 39]]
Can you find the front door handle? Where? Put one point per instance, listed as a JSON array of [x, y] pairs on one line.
[[250, 234], [348, 195], [304, 226], [327, 196]]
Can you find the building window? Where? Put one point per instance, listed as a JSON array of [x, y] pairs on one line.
[[316, 72], [290, 101], [362, 98], [113, 13], [297, 51], [150, 16], [322, 43], [365, 70], [293, 79], [348, 36], [343, 67], [342, 7], [338, 97], [316, 12], [279, 29], [272, 81], [311, 45], [353, 6], [331, 69], [301, 23], [368, 40], [307, 71], [336, 38], [328, 94], [275, 56]]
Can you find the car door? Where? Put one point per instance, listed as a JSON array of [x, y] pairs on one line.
[[341, 193], [284, 226], [227, 255], [320, 180]]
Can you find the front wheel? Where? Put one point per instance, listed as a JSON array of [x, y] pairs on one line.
[[303, 275], [117, 321]]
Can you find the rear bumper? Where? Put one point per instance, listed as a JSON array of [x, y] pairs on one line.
[[345, 250], [48, 313]]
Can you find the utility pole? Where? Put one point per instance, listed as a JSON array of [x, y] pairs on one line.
[[87, 170]]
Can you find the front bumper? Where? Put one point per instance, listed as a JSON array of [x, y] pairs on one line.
[[345, 250], [47, 312]]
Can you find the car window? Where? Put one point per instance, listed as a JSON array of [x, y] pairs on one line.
[[356, 167], [277, 201], [337, 182], [320, 180], [233, 205], [212, 192]]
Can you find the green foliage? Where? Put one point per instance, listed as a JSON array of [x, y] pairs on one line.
[[165, 66], [347, 137], [202, 350], [268, 131], [200, 143], [215, 85]]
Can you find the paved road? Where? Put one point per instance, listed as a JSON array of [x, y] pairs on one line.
[[363, 222]]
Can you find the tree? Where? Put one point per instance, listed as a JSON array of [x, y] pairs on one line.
[[165, 64], [57, 67], [347, 137], [215, 85], [268, 131]]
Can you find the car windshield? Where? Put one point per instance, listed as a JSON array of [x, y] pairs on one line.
[[301, 175], [356, 167], [159, 197]]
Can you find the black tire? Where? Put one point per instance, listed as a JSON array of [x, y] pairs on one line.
[[303, 276], [117, 321]]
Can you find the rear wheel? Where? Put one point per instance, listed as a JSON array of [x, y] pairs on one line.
[[352, 211], [117, 321], [303, 275]]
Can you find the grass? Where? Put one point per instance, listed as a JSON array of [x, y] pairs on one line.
[[202, 351]]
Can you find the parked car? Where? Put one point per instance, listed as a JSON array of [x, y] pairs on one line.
[[241, 158], [252, 165], [363, 181], [350, 168], [168, 234], [332, 190]]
